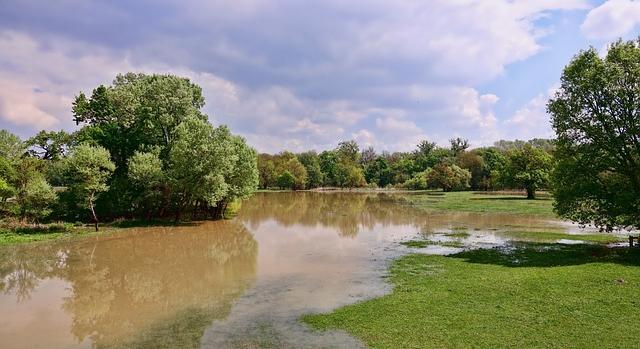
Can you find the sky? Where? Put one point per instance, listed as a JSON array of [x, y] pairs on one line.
[[301, 75]]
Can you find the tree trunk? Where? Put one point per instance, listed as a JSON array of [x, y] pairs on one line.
[[531, 193], [93, 212]]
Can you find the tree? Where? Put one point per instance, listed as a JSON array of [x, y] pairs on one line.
[[298, 171], [145, 171], [11, 147], [448, 177], [378, 172], [349, 176], [49, 145], [418, 181], [367, 156], [458, 145], [348, 152], [199, 162], [328, 165], [527, 168], [595, 116], [474, 163], [33, 195], [422, 154], [311, 163], [89, 169], [286, 180], [35, 199], [267, 171], [137, 112], [242, 178]]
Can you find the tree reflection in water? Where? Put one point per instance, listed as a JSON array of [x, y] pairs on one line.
[[148, 287], [350, 213]]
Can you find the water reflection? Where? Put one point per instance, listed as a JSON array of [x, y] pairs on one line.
[[350, 213], [151, 287]]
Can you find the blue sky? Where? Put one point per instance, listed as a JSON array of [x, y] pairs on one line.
[[290, 74]]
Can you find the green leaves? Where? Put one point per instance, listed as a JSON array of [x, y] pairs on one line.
[[596, 115]]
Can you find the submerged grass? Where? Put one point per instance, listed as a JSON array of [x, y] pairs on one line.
[[425, 243], [484, 203], [525, 295]]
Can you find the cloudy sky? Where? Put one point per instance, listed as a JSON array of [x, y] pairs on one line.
[[291, 74]]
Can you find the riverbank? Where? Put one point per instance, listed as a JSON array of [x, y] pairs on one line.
[[521, 295], [13, 235]]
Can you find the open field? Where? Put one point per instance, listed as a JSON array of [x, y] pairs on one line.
[[526, 295], [481, 202]]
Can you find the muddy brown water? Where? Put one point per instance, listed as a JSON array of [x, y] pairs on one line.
[[239, 283]]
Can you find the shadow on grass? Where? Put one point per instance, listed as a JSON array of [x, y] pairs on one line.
[[529, 254]]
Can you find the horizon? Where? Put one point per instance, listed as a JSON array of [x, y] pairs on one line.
[[386, 75]]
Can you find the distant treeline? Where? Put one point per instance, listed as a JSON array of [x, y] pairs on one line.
[[145, 150], [508, 164]]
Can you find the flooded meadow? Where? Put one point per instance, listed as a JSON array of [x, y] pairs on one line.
[[237, 283]]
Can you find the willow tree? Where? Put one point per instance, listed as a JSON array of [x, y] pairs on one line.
[[596, 116]]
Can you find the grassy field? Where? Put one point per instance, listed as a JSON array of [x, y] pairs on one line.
[[529, 295], [17, 235], [485, 203]]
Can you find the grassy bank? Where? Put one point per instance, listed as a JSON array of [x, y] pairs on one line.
[[527, 295], [483, 203], [11, 235]]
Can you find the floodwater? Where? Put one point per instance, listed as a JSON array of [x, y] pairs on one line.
[[239, 283]]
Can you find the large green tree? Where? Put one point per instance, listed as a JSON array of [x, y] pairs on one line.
[[596, 116]]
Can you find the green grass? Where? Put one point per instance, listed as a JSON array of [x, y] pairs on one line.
[[425, 243], [525, 296], [554, 236], [483, 203], [20, 235]]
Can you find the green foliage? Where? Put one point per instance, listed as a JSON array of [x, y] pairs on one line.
[[286, 180], [199, 161], [378, 172], [311, 162], [348, 152], [89, 169], [595, 116], [527, 168], [449, 177], [242, 179], [328, 165], [35, 199], [474, 163], [418, 182], [6, 190], [11, 147], [349, 176], [49, 145]]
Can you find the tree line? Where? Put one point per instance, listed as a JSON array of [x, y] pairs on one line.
[[144, 150], [508, 164]]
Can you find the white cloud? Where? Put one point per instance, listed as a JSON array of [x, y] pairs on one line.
[[385, 74], [612, 19], [532, 119]]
